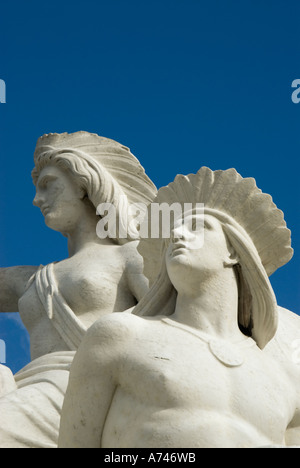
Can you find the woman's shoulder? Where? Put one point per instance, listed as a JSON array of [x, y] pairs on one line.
[[129, 248]]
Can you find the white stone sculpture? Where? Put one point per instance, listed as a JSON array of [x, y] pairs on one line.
[[7, 381], [190, 367], [73, 174]]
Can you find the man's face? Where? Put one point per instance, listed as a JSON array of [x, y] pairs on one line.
[[197, 249]]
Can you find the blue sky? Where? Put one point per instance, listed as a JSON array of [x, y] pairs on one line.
[[183, 83]]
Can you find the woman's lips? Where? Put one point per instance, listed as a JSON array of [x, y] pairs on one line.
[[45, 210]]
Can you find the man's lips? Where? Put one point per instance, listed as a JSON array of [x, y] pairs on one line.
[[177, 247]]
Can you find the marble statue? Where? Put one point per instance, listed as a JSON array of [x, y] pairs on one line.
[[7, 381], [191, 366], [73, 174]]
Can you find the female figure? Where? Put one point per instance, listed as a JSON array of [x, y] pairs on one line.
[[188, 368], [73, 174], [7, 381]]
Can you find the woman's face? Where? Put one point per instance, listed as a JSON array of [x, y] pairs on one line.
[[197, 250], [58, 198]]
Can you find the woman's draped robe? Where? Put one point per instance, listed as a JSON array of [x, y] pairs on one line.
[[30, 414]]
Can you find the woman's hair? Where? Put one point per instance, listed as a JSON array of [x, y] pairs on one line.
[[257, 311], [95, 181], [106, 171]]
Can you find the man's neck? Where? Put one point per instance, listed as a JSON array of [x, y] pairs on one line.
[[213, 309]]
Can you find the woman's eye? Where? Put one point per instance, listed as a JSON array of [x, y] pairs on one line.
[[46, 183]]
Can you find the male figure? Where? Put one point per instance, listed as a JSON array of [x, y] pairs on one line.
[[192, 379]]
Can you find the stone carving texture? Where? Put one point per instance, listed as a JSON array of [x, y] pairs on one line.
[[171, 342], [73, 173], [201, 361]]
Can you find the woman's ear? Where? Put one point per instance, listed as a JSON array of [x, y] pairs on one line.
[[84, 195], [81, 192]]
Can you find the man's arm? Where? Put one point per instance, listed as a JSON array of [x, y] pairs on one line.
[[13, 281], [92, 384]]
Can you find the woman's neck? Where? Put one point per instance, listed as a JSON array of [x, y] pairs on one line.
[[84, 233]]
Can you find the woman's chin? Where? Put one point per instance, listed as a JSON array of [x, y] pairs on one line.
[[52, 223]]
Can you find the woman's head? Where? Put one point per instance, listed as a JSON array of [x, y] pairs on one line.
[[102, 170]]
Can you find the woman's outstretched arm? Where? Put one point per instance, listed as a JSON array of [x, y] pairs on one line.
[[13, 281]]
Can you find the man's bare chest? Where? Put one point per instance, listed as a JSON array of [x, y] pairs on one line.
[[187, 374]]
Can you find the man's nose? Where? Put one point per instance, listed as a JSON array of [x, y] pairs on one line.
[[177, 233]]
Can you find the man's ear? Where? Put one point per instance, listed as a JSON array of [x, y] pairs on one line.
[[232, 258]]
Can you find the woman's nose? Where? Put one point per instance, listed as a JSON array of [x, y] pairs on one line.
[[37, 201]]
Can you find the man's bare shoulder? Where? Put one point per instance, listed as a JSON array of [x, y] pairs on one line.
[[105, 343], [285, 344], [288, 325], [114, 327], [289, 317]]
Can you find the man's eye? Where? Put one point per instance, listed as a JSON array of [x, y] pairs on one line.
[[197, 224]]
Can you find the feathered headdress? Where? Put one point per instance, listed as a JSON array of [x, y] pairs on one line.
[[255, 227]]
